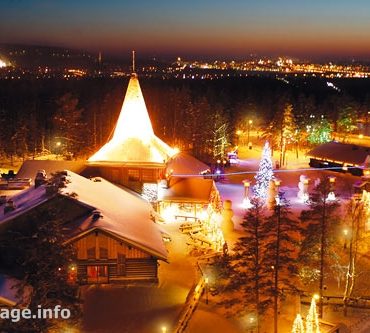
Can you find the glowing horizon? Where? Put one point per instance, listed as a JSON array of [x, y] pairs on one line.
[[193, 28]]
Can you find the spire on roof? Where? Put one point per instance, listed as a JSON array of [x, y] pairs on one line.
[[133, 138], [133, 61]]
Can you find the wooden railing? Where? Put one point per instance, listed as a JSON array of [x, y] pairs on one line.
[[190, 306]]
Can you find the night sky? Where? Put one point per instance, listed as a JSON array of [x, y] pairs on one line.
[[202, 28]]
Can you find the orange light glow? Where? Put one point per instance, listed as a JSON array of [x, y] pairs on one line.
[[133, 139]]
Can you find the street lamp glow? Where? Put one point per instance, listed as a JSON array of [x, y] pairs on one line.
[[164, 329], [247, 203], [316, 296], [277, 182]]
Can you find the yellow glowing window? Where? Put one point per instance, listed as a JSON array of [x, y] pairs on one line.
[[133, 175], [148, 175]]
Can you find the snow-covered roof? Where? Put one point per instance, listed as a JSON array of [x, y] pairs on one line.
[[341, 153], [29, 168], [24, 201], [192, 189], [133, 139], [123, 214], [185, 164]]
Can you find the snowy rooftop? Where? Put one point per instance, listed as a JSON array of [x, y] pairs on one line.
[[123, 214], [341, 153], [29, 168], [192, 189], [185, 164]]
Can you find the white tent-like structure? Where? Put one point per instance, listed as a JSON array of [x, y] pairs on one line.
[[133, 140]]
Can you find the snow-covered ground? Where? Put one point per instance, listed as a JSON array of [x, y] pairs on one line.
[[231, 188]]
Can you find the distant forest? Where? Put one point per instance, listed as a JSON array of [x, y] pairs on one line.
[[75, 117]]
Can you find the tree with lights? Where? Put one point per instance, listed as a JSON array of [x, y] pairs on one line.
[[319, 131], [356, 216], [312, 319], [287, 131], [346, 122], [319, 223], [298, 326], [264, 174]]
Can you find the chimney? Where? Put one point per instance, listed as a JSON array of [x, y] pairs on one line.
[[9, 206]]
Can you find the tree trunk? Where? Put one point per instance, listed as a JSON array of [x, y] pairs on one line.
[[322, 257], [277, 267]]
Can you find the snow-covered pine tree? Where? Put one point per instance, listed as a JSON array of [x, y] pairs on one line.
[[264, 174]]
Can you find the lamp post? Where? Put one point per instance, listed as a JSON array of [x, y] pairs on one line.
[[250, 122], [206, 287], [246, 184], [331, 195], [345, 233], [252, 322], [277, 183], [246, 201]]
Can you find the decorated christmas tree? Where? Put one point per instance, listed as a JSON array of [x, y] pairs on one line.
[[264, 174], [298, 326], [312, 319]]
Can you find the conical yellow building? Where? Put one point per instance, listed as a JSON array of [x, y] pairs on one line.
[[134, 155], [133, 139]]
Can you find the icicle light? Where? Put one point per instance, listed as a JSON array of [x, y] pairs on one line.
[[298, 326]]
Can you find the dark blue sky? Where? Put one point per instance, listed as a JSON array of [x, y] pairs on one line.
[[312, 28]]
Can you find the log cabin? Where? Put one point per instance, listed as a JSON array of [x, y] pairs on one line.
[[112, 230]]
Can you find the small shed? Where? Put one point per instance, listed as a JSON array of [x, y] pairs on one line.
[[112, 230], [342, 156]]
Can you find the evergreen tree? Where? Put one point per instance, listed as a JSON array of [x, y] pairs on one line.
[[298, 326], [250, 274], [220, 136], [282, 233], [347, 121], [356, 217], [68, 124], [44, 262], [319, 131], [264, 175], [320, 224], [287, 131]]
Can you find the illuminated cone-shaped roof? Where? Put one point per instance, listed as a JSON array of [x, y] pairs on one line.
[[133, 139]]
